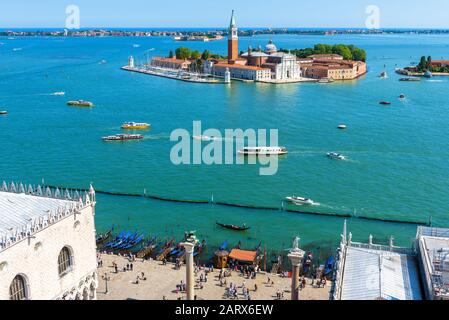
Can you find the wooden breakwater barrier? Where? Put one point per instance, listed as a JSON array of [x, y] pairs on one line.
[[145, 195]]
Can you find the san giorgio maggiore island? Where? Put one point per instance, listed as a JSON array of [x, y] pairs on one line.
[[267, 65]]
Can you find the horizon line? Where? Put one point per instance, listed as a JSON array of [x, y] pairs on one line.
[[240, 28]]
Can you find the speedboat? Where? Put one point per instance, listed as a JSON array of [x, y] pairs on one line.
[[3, 113], [80, 103], [300, 201], [263, 151], [342, 126], [336, 156], [123, 137], [384, 75], [385, 103], [204, 138], [59, 93], [135, 125]]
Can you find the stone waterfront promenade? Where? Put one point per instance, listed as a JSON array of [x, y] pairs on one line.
[[160, 282]]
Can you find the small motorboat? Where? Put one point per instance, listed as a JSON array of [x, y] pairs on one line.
[[135, 126], [326, 80], [233, 227], [300, 201], [3, 113], [263, 151], [123, 137], [384, 75], [59, 93], [336, 156], [80, 103], [342, 127], [385, 103], [428, 74], [402, 96]]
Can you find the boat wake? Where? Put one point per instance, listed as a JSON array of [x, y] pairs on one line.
[[157, 137], [435, 81]]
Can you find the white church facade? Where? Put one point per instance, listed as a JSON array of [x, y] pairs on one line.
[[47, 244]]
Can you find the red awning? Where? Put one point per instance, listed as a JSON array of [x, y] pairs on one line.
[[242, 255]]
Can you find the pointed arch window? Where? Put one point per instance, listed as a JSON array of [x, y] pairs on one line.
[[18, 288], [65, 261]]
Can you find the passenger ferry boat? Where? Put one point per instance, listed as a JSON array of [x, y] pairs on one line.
[[263, 151], [410, 79], [123, 137], [135, 125], [300, 201], [80, 103]]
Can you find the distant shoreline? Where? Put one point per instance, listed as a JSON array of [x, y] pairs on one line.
[[172, 32]]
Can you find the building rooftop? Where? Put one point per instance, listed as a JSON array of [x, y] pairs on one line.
[[371, 274], [440, 62], [17, 210], [171, 60], [24, 210], [326, 56]]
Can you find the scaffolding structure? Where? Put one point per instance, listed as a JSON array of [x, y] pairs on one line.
[[440, 275]]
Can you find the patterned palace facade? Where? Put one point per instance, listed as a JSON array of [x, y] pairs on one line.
[[47, 244]]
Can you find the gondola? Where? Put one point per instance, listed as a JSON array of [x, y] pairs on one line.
[[233, 227], [147, 249], [102, 238]]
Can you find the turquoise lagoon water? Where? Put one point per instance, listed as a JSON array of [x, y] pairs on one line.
[[398, 167]]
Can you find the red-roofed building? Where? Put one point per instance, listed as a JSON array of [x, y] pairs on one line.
[[171, 63], [440, 63]]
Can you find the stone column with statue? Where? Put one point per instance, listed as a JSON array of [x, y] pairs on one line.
[[296, 256], [189, 245]]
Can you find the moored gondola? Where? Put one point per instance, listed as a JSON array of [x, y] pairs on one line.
[[233, 227], [102, 238]]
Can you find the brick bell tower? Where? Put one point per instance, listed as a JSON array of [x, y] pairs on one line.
[[233, 41]]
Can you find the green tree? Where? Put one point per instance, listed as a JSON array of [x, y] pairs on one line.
[[205, 55], [196, 55], [183, 53], [422, 64], [322, 49], [343, 51], [358, 54]]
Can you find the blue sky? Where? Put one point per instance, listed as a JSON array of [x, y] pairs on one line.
[[250, 13]]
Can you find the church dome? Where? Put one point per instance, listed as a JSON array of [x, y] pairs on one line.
[[270, 47]]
